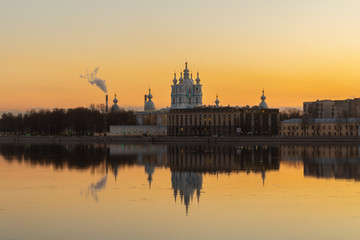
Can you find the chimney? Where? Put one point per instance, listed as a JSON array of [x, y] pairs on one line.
[[106, 104]]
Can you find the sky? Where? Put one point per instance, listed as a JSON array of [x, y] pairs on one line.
[[296, 50]]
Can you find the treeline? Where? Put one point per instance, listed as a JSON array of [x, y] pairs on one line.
[[289, 113], [77, 121]]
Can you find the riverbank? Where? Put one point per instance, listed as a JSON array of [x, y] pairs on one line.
[[179, 140]]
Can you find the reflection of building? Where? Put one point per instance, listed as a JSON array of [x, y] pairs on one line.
[[330, 161], [149, 169], [321, 127], [185, 184], [229, 121], [149, 156], [218, 158]]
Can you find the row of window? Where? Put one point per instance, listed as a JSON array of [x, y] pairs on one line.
[[323, 134], [184, 98], [196, 120], [188, 91], [317, 127]]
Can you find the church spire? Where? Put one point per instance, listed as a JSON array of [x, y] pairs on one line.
[[186, 71], [263, 104], [217, 101], [181, 78], [175, 80], [150, 96], [197, 78]]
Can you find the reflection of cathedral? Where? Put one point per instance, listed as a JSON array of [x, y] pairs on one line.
[[188, 163], [185, 184]]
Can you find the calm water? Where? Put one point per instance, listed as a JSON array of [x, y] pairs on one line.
[[179, 192]]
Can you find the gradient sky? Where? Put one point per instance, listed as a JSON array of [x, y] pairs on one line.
[[297, 50]]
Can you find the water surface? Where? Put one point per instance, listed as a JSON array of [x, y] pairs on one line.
[[179, 191]]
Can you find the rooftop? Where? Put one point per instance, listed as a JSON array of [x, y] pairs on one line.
[[322, 120]]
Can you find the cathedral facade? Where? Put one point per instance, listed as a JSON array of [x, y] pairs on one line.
[[185, 92]]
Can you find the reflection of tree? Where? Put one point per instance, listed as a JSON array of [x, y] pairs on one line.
[[187, 163]]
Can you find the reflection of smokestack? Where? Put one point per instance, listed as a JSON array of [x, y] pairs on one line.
[[106, 103]]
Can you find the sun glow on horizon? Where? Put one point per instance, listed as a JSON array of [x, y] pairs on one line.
[[296, 51]]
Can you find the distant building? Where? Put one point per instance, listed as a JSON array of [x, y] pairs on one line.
[[263, 104], [149, 105], [115, 107], [329, 127], [150, 122], [137, 130], [189, 117], [227, 121], [185, 92], [348, 108], [151, 116]]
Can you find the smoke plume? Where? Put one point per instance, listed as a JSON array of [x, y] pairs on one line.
[[94, 188], [91, 78]]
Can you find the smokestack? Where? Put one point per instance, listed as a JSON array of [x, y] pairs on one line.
[[106, 103]]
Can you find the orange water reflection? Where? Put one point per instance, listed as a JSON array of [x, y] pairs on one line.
[[163, 191]]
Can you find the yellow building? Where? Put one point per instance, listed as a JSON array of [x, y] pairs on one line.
[[330, 127]]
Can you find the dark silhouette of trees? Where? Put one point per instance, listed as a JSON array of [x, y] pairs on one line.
[[289, 113], [77, 121]]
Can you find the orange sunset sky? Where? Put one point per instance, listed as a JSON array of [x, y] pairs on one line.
[[297, 50]]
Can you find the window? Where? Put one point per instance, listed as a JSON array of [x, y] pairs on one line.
[[189, 100], [179, 99]]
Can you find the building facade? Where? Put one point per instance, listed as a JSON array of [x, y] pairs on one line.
[[329, 127], [185, 92], [137, 130], [348, 108], [151, 116], [223, 121]]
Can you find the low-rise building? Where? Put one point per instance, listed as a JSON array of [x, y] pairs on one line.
[[227, 121], [348, 108], [320, 127], [137, 130]]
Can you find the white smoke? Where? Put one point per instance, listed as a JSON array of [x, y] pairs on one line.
[[91, 78], [94, 188]]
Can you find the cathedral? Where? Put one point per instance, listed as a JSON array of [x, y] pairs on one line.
[[185, 92]]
